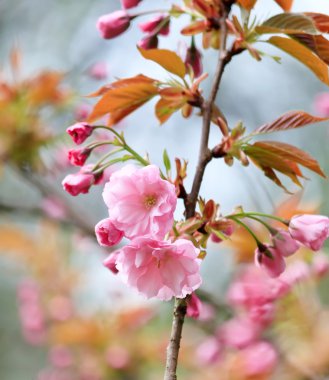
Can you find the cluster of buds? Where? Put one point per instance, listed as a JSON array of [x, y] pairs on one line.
[[309, 231]]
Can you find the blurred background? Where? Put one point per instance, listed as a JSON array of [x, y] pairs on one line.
[[60, 308]]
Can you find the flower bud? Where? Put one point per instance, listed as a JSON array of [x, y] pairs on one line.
[[113, 24], [148, 42], [310, 230], [78, 183], [107, 234], [194, 306], [78, 157], [126, 4], [194, 59], [274, 265], [151, 26], [284, 243], [79, 132]]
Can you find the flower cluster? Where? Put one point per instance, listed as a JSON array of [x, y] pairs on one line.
[[141, 207], [309, 231]]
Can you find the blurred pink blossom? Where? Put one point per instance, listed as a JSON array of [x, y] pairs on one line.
[[82, 111], [259, 358], [321, 104], [320, 264], [53, 207], [98, 71], [117, 357], [209, 351], [151, 26]]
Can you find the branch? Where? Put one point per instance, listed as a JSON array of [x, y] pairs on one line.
[[205, 157]]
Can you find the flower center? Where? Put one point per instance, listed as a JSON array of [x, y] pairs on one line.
[[150, 201]]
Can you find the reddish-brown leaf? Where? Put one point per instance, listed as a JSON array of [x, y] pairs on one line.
[[166, 107], [321, 21], [285, 4], [288, 23], [195, 28], [124, 97], [169, 60], [292, 153], [247, 4], [304, 55], [318, 44], [289, 120]]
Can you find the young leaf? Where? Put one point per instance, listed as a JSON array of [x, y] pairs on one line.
[[289, 120], [292, 153], [304, 55], [166, 161], [318, 44], [321, 21], [285, 4], [288, 23], [169, 60], [124, 97]]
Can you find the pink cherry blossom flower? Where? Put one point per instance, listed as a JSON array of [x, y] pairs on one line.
[[98, 71], [113, 24], [297, 271], [151, 26], [160, 269], [107, 234], [321, 104], [310, 230], [80, 132], [239, 332], [285, 244], [53, 207], [274, 265], [126, 4], [194, 306], [79, 156], [140, 202], [259, 358]]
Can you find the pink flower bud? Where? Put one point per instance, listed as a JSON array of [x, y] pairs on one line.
[[151, 26], [79, 132], [228, 232], [126, 4], [148, 42], [80, 182], [194, 306], [113, 24], [285, 244], [78, 157], [274, 265], [194, 59], [310, 230], [98, 71], [111, 262], [107, 234]]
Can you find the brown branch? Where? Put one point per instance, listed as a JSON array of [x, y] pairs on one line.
[[205, 157]]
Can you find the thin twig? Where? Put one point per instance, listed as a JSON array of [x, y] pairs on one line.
[[205, 156]]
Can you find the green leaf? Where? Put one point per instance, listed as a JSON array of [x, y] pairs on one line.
[[169, 60], [166, 161], [288, 23], [289, 120]]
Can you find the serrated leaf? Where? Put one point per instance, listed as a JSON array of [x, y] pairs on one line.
[[285, 4], [167, 59], [247, 4], [166, 161], [292, 153], [123, 97], [288, 23], [318, 44], [289, 120], [304, 55], [321, 21]]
